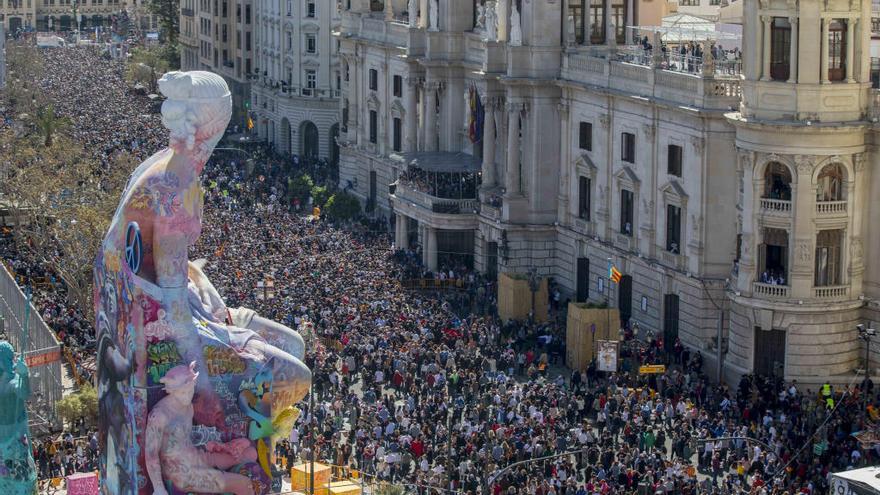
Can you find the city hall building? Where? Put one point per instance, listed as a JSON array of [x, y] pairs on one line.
[[729, 190]]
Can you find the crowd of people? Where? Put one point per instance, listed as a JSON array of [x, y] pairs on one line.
[[421, 393], [451, 185]]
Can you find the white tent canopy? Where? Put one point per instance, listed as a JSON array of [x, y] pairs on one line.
[[681, 31]]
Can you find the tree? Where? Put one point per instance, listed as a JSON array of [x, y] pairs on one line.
[[168, 12], [81, 405], [388, 489], [49, 123], [342, 206], [146, 65], [320, 195], [63, 201], [300, 187]]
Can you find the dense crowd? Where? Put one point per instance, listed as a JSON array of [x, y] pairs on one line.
[[417, 393]]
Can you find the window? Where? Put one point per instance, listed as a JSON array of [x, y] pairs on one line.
[[398, 86], [247, 41], [673, 229], [585, 136], [875, 24], [225, 7], [224, 31], [289, 8], [673, 160], [311, 43], [311, 79], [780, 49], [577, 12], [597, 22], [310, 8], [374, 122], [584, 198], [689, 3], [626, 212], [247, 14], [396, 135], [830, 183], [345, 117], [374, 79], [828, 258], [618, 17], [289, 38], [628, 147], [837, 50]]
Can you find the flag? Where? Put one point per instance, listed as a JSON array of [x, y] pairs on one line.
[[477, 115], [613, 273], [250, 123]]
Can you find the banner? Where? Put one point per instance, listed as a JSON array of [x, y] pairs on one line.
[[607, 355]]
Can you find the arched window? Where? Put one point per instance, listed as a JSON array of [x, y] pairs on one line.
[[777, 182], [830, 183]]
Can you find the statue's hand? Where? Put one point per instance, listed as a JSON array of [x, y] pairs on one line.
[[21, 368]]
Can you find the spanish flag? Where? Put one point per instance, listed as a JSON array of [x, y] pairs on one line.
[[613, 273], [250, 123]]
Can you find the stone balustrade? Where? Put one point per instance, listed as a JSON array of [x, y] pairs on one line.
[[831, 208], [776, 206], [831, 292], [720, 90], [393, 33], [770, 291]]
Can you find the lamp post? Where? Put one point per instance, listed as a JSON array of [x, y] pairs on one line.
[[866, 334], [534, 283]]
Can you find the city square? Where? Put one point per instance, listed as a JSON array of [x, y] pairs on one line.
[[439, 246]]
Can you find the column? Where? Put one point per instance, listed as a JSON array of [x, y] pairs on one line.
[[412, 115], [431, 248], [823, 48], [389, 10], [423, 14], [610, 33], [511, 176], [765, 43], [629, 21], [400, 232], [503, 11], [431, 116], [354, 88], [562, 213], [850, 41], [793, 57], [489, 144]]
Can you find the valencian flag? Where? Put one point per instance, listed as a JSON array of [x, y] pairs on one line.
[[613, 273], [477, 115], [250, 123]]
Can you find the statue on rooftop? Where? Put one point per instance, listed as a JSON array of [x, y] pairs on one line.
[[515, 26], [18, 474], [434, 17], [157, 310], [491, 32]]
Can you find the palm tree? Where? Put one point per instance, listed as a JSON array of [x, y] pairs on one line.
[[49, 123]]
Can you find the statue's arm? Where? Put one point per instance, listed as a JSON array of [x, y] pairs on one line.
[[119, 366], [24, 379], [155, 431]]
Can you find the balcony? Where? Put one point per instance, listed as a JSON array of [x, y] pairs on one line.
[[831, 292], [407, 192], [393, 33], [831, 208], [778, 207], [770, 291], [720, 89]]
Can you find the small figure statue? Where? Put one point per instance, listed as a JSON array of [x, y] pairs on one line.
[[18, 474], [515, 26], [481, 18], [412, 10], [170, 454], [434, 17], [491, 32], [570, 31]]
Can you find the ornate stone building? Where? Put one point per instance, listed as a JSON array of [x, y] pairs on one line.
[[733, 195], [295, 95]]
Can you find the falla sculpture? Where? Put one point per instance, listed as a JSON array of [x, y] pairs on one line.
[[169, 349], [18, 474]]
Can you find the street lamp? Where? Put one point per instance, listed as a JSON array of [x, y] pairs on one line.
[[866, 334], [534, 284]]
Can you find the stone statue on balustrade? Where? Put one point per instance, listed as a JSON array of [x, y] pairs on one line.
[[491, 32], [157, 310], [434, 16], [412, 10], [515, 26], [481, 18], [18, 474]]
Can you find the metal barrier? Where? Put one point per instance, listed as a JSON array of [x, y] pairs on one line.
[[43, 352]]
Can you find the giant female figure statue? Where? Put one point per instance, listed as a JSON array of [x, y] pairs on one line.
[[157, 310]]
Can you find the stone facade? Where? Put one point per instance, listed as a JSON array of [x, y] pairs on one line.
[[728, 196], [295, 93]]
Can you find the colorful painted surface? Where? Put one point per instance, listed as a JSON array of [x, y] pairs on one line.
[[157, 312], [18, 474]]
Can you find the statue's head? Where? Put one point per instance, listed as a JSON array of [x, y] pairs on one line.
[[181, 381], [197, 110], [7, 356]]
